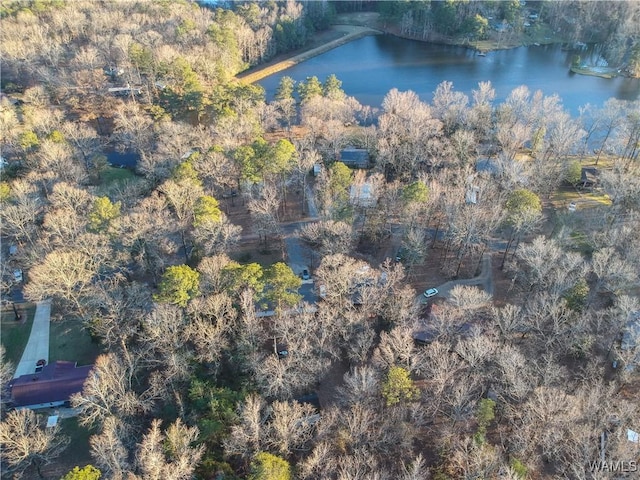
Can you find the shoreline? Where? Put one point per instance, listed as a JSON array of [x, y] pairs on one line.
[[355, 26], [351, 33]]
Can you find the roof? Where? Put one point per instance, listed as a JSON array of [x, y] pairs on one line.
[[487, 165], [589, 175], [363, 195], [55, 383], [631, 333], [355, 157]]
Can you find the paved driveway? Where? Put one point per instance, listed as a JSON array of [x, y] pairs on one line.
[[38, 345]]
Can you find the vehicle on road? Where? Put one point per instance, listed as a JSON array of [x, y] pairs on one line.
[[305, 274], [40, 364], [432, 292]]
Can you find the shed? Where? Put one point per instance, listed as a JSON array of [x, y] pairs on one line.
[[51, 387], [487, 165], [355, 157], [589, 176], [471, 195]]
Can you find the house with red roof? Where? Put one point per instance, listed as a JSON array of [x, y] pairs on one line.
[[50, 387]]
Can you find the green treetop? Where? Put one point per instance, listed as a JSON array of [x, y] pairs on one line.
[[29, 140], [332, 88], [416, 192], [286, 88], [266, 466], [87, 473], [573, 172], [56, 136], [283, 156], [102, 213], [339, 178], [283, 285], [185, 171], [240, 277], [309, 89], [398, 386], [5, 191], [179, 284], [206, 210], [486, 413], [523, 207], [244, 157]]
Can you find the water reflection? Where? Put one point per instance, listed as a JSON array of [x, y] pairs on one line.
[[372, 66]]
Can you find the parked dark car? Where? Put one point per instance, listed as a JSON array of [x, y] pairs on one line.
[[425, 337]]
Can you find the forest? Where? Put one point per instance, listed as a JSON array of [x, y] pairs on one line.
[[251, 302]]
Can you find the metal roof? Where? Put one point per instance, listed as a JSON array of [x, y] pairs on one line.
[[55, 383]]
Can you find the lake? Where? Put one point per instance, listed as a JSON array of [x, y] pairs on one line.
[[371, 66]]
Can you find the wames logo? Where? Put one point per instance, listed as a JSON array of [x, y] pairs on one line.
[[613, 467]]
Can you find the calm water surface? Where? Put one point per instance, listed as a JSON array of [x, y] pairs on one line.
[[371, 66]]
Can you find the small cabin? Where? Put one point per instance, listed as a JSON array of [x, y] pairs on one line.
[[589, 177]]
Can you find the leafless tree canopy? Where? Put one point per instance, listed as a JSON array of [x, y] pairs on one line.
[[525, 218]]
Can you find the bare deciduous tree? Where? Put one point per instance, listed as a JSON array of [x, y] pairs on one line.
[[109, 391], [169, 455], [108, 448], [25, 441]]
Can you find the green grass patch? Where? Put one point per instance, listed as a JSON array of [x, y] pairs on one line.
[[581, 243], [562, 197], [69, 340], [112, 175], [605, 162], [15, 335], [78, 452], [600, 199]]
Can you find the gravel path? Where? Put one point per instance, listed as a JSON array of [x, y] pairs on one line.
[[484, 280]]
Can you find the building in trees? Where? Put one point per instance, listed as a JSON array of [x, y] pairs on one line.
[[355, 157], [631, 338], [51, 387]]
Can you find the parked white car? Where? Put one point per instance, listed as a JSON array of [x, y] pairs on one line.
[[432, 292], [17, 275]]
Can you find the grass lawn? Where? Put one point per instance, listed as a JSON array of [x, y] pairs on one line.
[[113, 175], [16, 334], [69, 340], [583, 200], [77, 453]]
